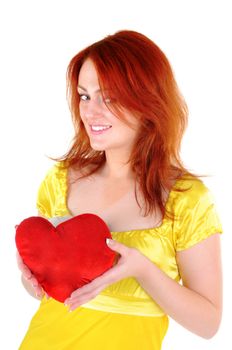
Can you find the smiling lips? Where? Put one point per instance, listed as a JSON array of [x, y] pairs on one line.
[[99, 129]]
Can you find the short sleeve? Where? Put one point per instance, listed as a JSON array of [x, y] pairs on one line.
[[51, 197], [197, 217]]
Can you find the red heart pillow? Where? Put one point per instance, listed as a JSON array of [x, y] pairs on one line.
[[65, 257]]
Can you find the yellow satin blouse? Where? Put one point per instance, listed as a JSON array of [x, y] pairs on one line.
[[123, 315], [196, 220]]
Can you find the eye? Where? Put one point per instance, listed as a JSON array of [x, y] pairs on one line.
[[83, 97]]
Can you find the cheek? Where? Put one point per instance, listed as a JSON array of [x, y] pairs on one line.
[[83, 123], [82, 115], [81, 111]]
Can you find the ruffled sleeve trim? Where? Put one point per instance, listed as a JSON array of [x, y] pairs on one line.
[[196, 215]]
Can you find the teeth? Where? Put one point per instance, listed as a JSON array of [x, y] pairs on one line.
[[100, 128]]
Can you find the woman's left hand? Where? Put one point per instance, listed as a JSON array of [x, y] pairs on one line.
[[130, 263]]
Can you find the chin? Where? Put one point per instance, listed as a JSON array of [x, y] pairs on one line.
[[97, 147]]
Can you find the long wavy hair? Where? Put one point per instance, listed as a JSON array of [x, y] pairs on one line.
[[138, 76]]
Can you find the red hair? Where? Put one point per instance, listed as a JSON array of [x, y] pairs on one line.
[[139, 78]]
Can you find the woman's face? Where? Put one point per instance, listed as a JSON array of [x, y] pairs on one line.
[[106, 131]]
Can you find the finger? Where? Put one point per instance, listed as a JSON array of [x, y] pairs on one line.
[[98, 282], [27, 274], [22, 267], [77, 295], [77, 301], [110, 276], [93, 288], [85, 289], [39, 291], [84, 293], [75, 305], [116, 246], [34, 282]]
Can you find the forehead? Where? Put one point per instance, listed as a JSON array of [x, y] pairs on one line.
[[88, 74]]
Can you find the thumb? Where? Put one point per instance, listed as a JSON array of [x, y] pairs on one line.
[[116, 246]]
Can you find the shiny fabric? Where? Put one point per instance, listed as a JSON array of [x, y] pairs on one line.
[[123, 315]]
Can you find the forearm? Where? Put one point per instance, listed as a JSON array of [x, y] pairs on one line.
[[185, 306]]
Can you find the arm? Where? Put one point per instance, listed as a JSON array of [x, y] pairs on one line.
[[197, 304]]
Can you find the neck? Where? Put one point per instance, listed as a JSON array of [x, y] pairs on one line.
[[117, 166]]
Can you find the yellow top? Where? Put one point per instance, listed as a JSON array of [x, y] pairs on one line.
[[124, 301]]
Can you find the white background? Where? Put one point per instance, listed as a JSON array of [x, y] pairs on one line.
[[38, 38]]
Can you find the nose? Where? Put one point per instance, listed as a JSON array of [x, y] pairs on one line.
[[92, 108]]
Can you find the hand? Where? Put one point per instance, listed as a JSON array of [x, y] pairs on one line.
[[28, 276], [130, 263]]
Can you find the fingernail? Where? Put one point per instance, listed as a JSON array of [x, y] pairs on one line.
[[109, 241], [70, 309]]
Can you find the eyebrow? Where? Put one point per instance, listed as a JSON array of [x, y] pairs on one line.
[[82, 88]]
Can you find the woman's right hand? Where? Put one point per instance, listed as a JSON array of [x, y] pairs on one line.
[[29, 280]]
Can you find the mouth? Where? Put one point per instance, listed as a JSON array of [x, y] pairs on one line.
[[99, 129]]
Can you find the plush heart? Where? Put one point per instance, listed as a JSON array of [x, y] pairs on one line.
[[65, 257]]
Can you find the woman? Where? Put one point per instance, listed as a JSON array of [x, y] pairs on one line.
[[124, 166]]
